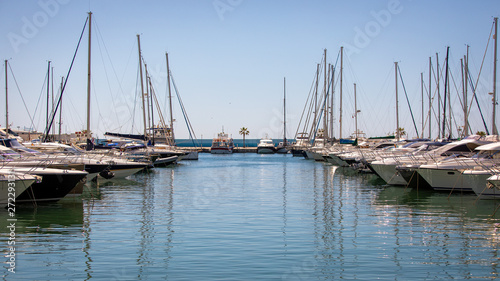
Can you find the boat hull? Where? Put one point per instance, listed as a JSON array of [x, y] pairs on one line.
[[220, 150], [53, 186], [265, 150], [444, 179]]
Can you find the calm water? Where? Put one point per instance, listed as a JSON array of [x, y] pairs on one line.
[[256, 217]]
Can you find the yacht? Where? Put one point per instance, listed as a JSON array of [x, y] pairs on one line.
[[222, 144], [266, 146]]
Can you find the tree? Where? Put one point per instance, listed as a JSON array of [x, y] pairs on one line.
[[244, 131], [401, 132], [481, 133]]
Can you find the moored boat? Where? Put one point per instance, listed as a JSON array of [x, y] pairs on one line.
[[222, 144], [266, 146]]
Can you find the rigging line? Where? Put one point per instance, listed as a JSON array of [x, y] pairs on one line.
[[135, 96], [186, 117], [65, 81], [112, 67], [21, 94], [479, 74], [407, 100], [39, 97], [305, 106], [104, 66], [325, 100], [474, 97]]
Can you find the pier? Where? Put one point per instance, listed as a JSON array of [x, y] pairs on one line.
[[235, 149]]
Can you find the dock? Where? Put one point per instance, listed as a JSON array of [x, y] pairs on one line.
[[235, 149]]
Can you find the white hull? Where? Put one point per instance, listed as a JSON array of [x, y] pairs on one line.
[[20, 184], [478, 181], [265, 150], [122, 173], [192, 155], [444, 179], [389, 174], [493, 187]]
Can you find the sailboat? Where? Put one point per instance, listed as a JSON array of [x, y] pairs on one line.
[[283, 146]]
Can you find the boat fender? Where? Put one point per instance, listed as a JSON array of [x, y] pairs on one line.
[[107, 174]]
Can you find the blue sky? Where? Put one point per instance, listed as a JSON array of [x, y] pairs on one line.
[[229, 57]]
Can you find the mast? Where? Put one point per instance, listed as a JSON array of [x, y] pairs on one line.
[[439, 97], [355, 113], [284, 111], [325, 109], [147, 93], [464, 107], [60, 110], [6, 101], [152, 111], [422, 94], [88, 77], [397, 102], [466, 110], [142, 87], [313, 129], [170, 104], [430, 97], [332, 89], [445, 93], [495, 132], [48, 100], [341, 70]]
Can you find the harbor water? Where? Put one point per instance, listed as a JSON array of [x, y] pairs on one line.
[[253, 217]]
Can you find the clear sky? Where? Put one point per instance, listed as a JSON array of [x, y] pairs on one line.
[[229, 57]]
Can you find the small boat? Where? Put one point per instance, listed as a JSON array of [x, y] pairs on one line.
[[266, 146], [163, 162], [222, 144]]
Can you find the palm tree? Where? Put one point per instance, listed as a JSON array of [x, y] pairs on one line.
[[244, 131]]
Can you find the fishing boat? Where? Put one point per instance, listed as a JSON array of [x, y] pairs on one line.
[[222, 144], [266, 146]]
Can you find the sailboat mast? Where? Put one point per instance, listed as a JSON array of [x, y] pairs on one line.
[[495, 132], [48, 100], [325, 109], [466, 110], [341, 72], [439, 97], [60, 110], [422, 94], [170, 104], [332, 89], [147, 93], [284, 111], [445, 93], [88, 76], [355, 113], [142, 87], [6, 102], [397, 102], [430, 97]]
